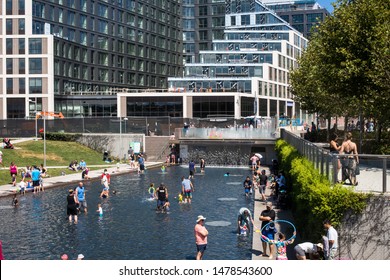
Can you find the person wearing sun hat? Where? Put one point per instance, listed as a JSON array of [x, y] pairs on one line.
[[80, 257], [307, 248], [201, 234]]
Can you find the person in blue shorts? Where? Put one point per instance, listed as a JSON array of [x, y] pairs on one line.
[[248, 186], [267, 217]]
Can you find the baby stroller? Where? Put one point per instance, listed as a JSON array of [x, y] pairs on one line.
[[7, 144], [282, 198]]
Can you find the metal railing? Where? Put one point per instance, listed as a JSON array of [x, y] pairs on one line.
[[160, 126], [374, 169]]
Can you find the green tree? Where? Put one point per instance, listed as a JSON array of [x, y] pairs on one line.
[[337, 74]]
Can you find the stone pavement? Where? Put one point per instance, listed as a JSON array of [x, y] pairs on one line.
[[74, 177]]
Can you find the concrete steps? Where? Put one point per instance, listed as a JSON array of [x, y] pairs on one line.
[[157, 147]]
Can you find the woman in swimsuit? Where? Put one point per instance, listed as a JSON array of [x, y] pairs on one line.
[[350, 162]]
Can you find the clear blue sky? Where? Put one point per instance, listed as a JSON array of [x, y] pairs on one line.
[[327, 4]]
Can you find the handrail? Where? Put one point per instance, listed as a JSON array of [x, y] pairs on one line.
[[327, 163]]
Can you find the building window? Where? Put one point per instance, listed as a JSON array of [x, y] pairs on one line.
[[245, 20], [10, 85], [297, 18], [203, 23], [9, 7], [22, 86], [16, 108], [317, 17], [35, 65], [38, 27], [233, 20], [22, 26], [10, 65], [22, 46], [71, 16], [22, 66], [35, 46], [203, 11], [9, 45], [38, 9], [285, 18], [8, 24], [35, 85]]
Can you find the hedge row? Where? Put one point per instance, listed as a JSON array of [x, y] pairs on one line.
[[313, 198], [58, 136]]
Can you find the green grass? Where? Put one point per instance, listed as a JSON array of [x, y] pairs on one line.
[[57, 154]]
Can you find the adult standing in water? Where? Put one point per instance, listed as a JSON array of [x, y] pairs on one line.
[[192, 168], [161, 194], [72, 206], [141, 163], [187, 188], [244, 219], [202, 165], [201, 234], [80, 193]]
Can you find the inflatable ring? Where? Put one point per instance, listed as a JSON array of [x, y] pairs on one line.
[[279, 221]]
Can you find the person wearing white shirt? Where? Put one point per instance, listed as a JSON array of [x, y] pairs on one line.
[[332, 236]]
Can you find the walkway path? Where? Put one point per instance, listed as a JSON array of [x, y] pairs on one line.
[[280, 215], [75, 177]]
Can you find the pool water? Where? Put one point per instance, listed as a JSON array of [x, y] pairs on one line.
[[130, 228]]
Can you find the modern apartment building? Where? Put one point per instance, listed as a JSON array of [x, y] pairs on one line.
[[303, 15], [245, 73], [74, 55], [204, 21]]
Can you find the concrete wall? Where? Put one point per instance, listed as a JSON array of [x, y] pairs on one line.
[[367, 236], [115, 144], [225, 153]]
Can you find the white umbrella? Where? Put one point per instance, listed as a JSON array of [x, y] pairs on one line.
[[259, 156]]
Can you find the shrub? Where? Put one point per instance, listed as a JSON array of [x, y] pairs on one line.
[[66, 137], [314, 199]]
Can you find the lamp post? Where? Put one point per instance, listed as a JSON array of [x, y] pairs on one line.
[[44, 141], [120, 137], [36, 120]]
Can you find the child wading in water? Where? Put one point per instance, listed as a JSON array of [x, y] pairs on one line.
[[281, 245], [100, 210], [151, 191]]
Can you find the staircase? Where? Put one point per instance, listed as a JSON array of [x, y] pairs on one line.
[[157, 147]]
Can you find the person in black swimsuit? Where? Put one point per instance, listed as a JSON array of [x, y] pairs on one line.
[[71, 209]]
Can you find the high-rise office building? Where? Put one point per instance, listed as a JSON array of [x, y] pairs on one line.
[[74, 55]]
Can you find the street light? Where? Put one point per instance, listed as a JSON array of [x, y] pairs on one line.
[[36, 120], [120, 136]]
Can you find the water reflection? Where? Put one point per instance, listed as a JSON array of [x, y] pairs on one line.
[[129, 228]]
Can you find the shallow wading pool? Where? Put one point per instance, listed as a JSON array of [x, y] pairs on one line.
[[130, 227]]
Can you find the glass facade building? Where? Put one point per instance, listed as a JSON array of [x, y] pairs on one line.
[[57, 50]]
